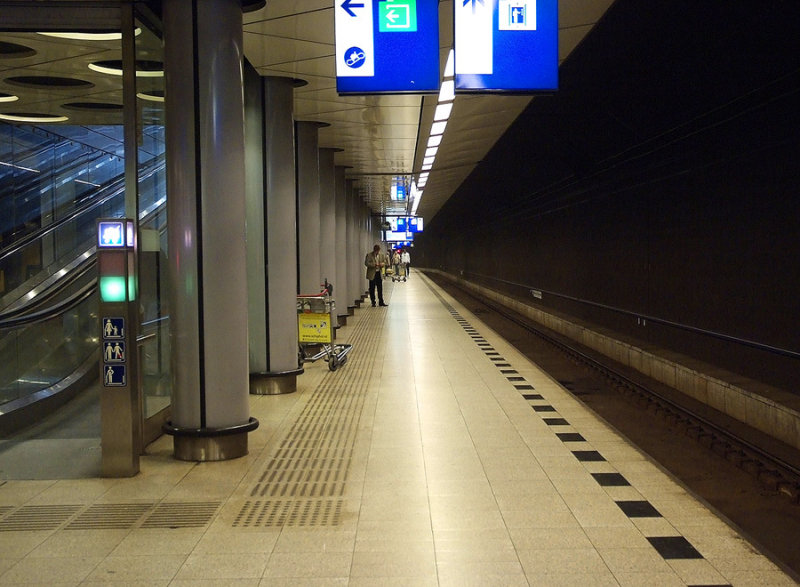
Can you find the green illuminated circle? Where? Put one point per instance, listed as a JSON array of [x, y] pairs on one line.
[[112, 288]]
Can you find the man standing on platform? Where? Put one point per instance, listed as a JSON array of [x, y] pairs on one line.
[[374, 262]]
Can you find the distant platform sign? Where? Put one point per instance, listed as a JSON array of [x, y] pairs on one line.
[[506, 45], [387, 46]]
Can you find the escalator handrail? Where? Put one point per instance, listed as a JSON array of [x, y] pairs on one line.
[[52, 311], [93, 203]]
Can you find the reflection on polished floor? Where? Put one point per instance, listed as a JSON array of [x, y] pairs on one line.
[[437, 455]]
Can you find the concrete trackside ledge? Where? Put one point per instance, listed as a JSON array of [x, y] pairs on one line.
[[767, 409]]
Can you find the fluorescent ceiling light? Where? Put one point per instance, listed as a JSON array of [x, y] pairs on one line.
[[437, 128], [32, 118], [149, 97], [448, 91], [427, 167], [449, 69], [117, 71], [9, 98], [91, 36], [434, 140], [428, 160], [442, 111], [431, 151]]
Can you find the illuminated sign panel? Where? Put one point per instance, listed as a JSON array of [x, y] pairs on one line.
[[506, 45], [387, 46]]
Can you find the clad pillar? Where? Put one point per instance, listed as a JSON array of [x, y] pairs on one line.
[[206, 215], [272, 250], [308, 208], [342, 262], [354, 256], [327, 219]]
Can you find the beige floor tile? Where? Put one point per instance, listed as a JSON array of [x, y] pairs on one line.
[[223, 566], [697, 572], [146, 542], [549, 538], [634, 560], [649, 579], [237, 541], [15, 545], [80, 543], [568, 561], [481, 573], [393, 564], [135, 568]]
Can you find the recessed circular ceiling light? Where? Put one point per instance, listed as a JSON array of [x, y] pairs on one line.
[[143, 68], [32, 117], [8, 97], [15, 51], [90, 36], [48, 81], [152, 96]]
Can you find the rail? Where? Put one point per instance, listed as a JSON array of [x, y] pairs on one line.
[[656, 320], [765, 466]]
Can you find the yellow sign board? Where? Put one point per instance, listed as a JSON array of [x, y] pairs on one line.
[[312, 327]]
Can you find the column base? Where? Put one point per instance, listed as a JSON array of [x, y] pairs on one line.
[[342, 318], [351, 310], [210, 444], [274, 383]]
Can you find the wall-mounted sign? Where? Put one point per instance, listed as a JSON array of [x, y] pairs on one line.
[[506, 45], [387, 46]]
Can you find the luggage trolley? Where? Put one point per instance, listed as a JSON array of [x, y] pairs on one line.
[[400, 274], [314, 327]]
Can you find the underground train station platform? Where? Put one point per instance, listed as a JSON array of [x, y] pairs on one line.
[[437, 455]]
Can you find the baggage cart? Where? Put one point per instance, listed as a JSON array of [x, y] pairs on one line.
[[315, 330]]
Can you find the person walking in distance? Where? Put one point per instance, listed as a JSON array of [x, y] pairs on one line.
[[374, 262], [406, 260]]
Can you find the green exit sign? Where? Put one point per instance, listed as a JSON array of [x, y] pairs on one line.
[[397, 16]]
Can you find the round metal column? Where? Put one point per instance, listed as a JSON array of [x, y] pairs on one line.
[[206, 212], [308, 220], [327, 222], [342, 265], [273, 342]]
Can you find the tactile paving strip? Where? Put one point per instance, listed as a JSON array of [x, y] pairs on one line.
[[313, 459]]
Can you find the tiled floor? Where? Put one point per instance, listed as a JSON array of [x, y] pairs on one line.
[[437, 455]]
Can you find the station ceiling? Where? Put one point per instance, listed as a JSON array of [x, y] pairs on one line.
[[377, 138]]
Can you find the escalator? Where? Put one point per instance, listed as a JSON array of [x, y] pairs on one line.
[[49, 347]]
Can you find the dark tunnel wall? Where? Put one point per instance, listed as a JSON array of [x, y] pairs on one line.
[[661, 179]]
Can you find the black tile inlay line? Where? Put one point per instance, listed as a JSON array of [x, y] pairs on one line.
[[570, 437], [521, 387], [588, 456], [674, 547], [515, 378], [495, 358], [638, 509], [555, 422], [492, 353], [532, 395], [508, 371], [610, 480], [502, 365], [544, 409]]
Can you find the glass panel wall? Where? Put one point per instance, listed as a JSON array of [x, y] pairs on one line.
[[152, 210]]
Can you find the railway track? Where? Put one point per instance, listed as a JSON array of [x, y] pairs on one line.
[[772, 471], [742, 474]]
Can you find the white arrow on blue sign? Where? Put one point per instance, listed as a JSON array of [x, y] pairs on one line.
[[355, 51]]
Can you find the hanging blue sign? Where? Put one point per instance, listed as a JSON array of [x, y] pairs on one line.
[[387, 46], [506, 45]]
